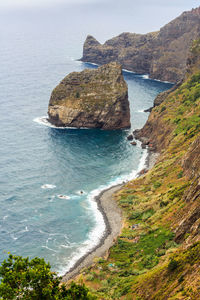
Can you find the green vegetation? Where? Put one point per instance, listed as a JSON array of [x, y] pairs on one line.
[[145, 262], [154, 208], [77, 95], [26, 279]]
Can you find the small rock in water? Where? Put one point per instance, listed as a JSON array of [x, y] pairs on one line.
[[148, 109], [130, 137], [134, 143], [63, 197]]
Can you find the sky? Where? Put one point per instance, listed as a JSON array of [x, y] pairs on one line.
[[42, 3], [101, 18], [38, 3]]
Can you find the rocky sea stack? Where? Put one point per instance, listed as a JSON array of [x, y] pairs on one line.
[[93, 98]]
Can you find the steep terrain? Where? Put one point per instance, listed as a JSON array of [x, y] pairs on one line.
[[157, 255], [92, 98], [161, 54]]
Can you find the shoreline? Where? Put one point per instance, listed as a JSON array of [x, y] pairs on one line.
[[112, 215]]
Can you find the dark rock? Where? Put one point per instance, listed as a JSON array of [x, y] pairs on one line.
[[148, 109], [130, 137]]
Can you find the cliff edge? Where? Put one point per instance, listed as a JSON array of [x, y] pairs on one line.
[[93, 98], [162, 54], [157, 255]]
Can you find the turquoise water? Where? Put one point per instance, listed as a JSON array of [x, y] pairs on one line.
[[38, 163]]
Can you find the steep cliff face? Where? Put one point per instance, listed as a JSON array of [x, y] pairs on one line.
[[131, 50], [157, 255], [95, 98], [161, 54]]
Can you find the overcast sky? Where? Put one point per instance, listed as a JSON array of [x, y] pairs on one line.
[[37, 3], [101, 18]]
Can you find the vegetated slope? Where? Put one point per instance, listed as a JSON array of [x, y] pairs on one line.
[[161, 54], [157, 255], [96, 98]]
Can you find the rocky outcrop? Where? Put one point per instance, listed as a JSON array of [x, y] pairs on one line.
[[129, 49], [93, 98], [161, 54]]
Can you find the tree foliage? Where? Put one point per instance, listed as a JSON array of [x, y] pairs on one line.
[[22, 278]]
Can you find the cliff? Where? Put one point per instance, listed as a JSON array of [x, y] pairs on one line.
[[157, 255], [161, 54], [95, 98]]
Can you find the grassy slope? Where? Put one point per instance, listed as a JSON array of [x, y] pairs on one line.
[[158, 259]]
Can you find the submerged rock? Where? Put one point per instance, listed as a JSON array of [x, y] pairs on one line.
[[93, 98]]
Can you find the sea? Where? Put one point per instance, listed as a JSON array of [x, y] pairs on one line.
[[49, 177]]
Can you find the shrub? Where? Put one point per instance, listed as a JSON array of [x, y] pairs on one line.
[[157, 184], [173, 265], [163, 108], [77, 95], [180, 174], [26, 279], [163, 203]]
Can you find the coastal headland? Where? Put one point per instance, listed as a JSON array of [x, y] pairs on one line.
[[159, 243], [162, 54]]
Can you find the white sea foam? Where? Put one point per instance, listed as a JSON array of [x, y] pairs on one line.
[[44, 121], [13, 237], [81, 192], [97, 233], [88, 62], [23, 221], [145, 76], [50, 249], [48, 186], [23, 230], [164, 81], [128, 71]]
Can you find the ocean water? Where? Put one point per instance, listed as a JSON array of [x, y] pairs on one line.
[[43, 169]]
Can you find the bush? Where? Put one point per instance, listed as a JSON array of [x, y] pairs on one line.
[[77, 95], [163, 108], [157, 184], [163, 203], [180, 174], [26, 279], [173, 264]]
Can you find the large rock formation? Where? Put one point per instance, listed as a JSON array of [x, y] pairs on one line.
[[93, 98], [161, 207], [161, 54]]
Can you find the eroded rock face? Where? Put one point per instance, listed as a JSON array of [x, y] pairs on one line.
[[93, 98], [161, 54]]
